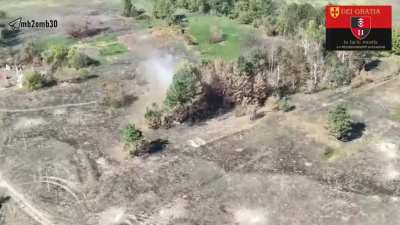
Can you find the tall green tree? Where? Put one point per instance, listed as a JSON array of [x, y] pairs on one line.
[[186, 85]]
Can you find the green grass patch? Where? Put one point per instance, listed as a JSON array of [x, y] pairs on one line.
[[234, 35], [56, 41], [109, 46], [113, 49]]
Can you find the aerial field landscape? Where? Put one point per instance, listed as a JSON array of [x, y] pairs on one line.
[[186, 112]]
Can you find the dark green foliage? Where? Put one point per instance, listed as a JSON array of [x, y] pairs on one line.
[[296, 16], [254, 62], [247, 11], [130, 134], [340, 123], [244, 66], [134, 140], [34, 80], [184, 87]]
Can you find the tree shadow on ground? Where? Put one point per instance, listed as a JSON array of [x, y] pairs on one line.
[[372, 65], [157, 146], [358, 129]]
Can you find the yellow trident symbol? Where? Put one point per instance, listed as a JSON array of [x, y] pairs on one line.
[[335, 12]]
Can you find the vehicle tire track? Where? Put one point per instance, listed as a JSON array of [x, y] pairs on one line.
[[47, 107], [35, 213]]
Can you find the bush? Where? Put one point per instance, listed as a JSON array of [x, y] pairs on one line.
[[134, 140], [186, 85], [153, 116], [131, 134], [55, 55], [216, 35], [79, 60], [340, 123], [34, 80]]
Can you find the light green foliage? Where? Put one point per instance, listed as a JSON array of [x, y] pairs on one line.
[[314, 31], [184, 87], [34, 80], [396, 41], [340, 123], [113, 49], [56, 54], [109, 46], [247, 11], [296, 16], [234, 35], [153, 116], [50, 42]]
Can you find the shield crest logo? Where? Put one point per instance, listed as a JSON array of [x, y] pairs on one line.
[[360, 26], [335, 12]]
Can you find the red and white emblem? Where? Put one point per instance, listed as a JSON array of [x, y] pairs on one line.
[[360, 26]]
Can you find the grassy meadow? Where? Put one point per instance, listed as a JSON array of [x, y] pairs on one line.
[[234, 34]]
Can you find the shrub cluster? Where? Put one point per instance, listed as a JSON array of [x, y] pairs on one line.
[[154, 116], [340, 123], [288, 21], [186, 86], [134, 140], [34, 80]]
